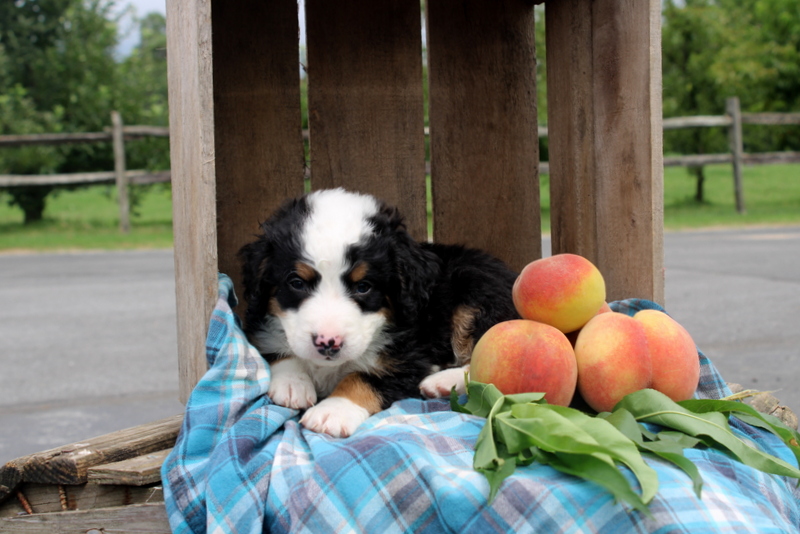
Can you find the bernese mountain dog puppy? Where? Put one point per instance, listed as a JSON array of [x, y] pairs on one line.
[[353, 314]]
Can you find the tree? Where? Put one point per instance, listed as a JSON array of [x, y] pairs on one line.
[[62, 54], [19, 115]]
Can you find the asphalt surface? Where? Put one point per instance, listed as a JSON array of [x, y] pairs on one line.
[[88, 342]]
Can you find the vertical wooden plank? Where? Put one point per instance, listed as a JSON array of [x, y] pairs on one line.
[[120, 177], [191, 113], [734, 110], [483, 126], [604, 121], [366, 103], [257, 128], [570, 128]]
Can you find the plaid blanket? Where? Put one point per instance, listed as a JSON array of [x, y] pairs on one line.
[[242, 464]]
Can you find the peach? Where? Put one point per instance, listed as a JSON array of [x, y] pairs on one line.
[[573, 336], [613, 359], [564, 291], [673, 355], [521, 356]]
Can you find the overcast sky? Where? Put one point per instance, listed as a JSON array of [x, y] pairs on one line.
[[144, 7]]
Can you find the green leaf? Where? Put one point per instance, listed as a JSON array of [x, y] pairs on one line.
[[651, 406], [663, 445], [601, 473], [480, 399], [561, 429], [751, 416]]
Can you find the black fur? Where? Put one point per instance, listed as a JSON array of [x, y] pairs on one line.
[[420, 284]]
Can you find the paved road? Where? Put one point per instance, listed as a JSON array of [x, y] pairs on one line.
[[88, 343]]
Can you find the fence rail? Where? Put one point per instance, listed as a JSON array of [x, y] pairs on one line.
[[120, 176], [118, 134]]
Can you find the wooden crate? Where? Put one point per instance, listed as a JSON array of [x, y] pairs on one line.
[[237, 146], [237, 151]]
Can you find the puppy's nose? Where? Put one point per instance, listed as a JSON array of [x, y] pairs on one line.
[[327, 345]]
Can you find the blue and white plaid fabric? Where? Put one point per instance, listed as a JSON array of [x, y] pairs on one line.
[[242, 464]]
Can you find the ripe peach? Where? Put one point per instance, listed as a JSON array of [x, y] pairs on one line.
[[613, 359], [564, 291], [573, 336], [522, 356], [673, 355]]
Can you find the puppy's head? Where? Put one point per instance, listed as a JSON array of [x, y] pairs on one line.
[[329, 275]]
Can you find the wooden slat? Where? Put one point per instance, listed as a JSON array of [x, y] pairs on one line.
[[605, 130], [134, 519], [483, 124], [138, 471], [570, 129], [69, 464], [48, 498], [366, 102], [258, 139], [192, 156]]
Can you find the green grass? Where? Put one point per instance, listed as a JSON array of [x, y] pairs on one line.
[[771, 197], [88, 218]]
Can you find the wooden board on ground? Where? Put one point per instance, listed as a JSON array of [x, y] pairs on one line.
[[69, 464], [137, 518], [49, 498], [139, 471]]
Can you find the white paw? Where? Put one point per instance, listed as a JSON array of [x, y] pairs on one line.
[[439, 384], [292, 390], [336, 416]]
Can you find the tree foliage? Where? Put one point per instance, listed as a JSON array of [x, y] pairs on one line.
[[58, 65], [714, 49]]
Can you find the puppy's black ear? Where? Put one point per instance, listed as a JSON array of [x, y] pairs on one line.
[[260, 275], [416, 268], [254, 257]]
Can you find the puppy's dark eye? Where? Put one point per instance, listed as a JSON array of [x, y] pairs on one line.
[[363, 288], [297, 283]]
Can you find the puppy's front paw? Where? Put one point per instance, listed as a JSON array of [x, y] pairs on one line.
[[439, 384], [295, 390], [336, 416]]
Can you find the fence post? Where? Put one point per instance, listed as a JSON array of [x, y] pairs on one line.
[[119, 172], [733, 109]]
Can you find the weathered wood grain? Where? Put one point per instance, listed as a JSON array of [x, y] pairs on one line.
[[134, 519], [257, 127], [137, 471], [69, 464], [605, 135], [192, 156], [365, 99], [48, 498], [483, 127]]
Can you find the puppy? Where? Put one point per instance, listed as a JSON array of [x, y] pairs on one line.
[[353, 314]]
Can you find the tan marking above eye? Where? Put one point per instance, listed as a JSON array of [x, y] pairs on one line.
[[305, 271], [359, 272]]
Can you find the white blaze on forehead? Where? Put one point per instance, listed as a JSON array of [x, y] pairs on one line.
[[338, 219]]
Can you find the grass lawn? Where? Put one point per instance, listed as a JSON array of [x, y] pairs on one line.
[[87, 218]]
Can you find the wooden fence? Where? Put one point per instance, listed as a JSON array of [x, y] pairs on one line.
[[733, 120], [120, 176], [118, 134]]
